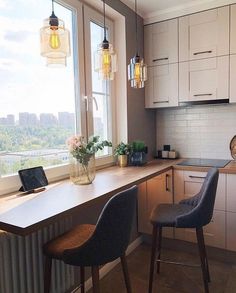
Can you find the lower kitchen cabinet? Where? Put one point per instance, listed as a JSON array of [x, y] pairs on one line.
[[187, 184], [154, 191]]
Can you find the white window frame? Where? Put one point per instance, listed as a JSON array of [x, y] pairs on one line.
[[11, 183]]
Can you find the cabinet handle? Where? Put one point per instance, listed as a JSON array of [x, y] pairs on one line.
[[201, 95], [161, 102], [203, 52], [196, 177], [160, 59], [167, 182]]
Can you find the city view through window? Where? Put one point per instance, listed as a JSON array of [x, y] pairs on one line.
[[37, 103]]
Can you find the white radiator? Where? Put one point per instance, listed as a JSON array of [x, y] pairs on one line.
[[21, 262]]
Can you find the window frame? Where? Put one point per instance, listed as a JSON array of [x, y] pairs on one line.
[[11, 183]]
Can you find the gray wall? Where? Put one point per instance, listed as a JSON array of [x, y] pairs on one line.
[[141, 122]]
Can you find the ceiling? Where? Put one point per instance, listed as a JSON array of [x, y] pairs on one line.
[[156, 10]]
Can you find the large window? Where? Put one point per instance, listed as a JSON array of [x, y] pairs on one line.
[[40, 107]]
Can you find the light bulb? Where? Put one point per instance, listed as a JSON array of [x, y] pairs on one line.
[[137, 73], [106, 62], [54, 40]]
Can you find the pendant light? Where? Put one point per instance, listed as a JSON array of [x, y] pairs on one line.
[[105, 56], [137, 69], [55, 40]]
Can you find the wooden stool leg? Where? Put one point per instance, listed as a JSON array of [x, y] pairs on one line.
[[201, 247], [159, 240], [82, 280], [47, 274], [95, 279], [126, 273], [153, 256]]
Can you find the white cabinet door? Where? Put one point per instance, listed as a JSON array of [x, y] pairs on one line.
[[161, 89], [161, 42], [233, 29], [202, 80], [231, 231], [232, 93], [204, 34], [214, 232]]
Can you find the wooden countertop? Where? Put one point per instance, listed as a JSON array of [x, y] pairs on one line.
[[24, 214]]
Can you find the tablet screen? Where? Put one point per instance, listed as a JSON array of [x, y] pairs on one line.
[[33, 178]]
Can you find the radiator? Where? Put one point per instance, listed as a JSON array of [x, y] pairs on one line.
[[21, 262]]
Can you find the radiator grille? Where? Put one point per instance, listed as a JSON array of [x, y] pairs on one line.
[[21, 262]]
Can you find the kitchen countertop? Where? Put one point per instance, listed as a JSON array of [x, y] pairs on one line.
[[24, 214]]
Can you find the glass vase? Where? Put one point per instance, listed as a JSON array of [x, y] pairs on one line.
[[82, 174]]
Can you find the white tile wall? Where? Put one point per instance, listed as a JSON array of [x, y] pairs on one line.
[[198, 131]]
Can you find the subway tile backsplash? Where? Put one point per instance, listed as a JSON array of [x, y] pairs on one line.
[[198, 131]]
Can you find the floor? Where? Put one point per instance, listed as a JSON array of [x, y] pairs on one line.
[[172, 279]]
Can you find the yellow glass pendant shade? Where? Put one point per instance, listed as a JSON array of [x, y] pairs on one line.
[[54, 41]]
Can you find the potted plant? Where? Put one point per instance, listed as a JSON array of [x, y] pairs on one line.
[[122, 151], [138, 153], [82, 168]]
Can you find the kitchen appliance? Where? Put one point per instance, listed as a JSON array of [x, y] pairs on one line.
[[204, 163]]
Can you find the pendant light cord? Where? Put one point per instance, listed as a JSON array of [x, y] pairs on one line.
[[136, 27], [52, 6], [104, 20]]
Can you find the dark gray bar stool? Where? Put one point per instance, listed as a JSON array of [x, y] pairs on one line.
[[92, 246], [194, 212]]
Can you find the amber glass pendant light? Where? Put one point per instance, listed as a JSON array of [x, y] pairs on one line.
[[105, 56], [55, 40], [137, 69]]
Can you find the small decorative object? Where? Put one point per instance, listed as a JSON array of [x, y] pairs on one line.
[[82, 169], [122, 151], [137, 69], [105, 56], [55, 40], [138, 153], [232, 147]]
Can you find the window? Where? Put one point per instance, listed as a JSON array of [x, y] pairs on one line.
[[40, 107]]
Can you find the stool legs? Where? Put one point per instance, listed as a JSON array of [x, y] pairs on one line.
[[82, 280], [95, 279], [155, 233], [126, 273], [159, 239], [203, 257], [47, 274]]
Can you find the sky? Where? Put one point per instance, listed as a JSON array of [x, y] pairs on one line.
[[26, 83]]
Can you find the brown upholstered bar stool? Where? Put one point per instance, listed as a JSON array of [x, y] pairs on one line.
[[92, 246], [194, 212]]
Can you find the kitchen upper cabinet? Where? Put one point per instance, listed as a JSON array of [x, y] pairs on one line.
[[161, 42], [233, 29], [187, 184], [204, 34], [202, 80], [161, 88], [156, 191]]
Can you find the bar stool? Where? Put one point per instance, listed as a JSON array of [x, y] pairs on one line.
[[194, 212], [92, 246]]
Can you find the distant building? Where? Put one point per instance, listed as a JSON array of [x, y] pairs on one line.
[[66, 119], [10, 120], [33, 120], [48, 120], [23, 119]]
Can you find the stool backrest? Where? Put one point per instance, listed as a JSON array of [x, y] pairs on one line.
[[112, 233], [203, 203]]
